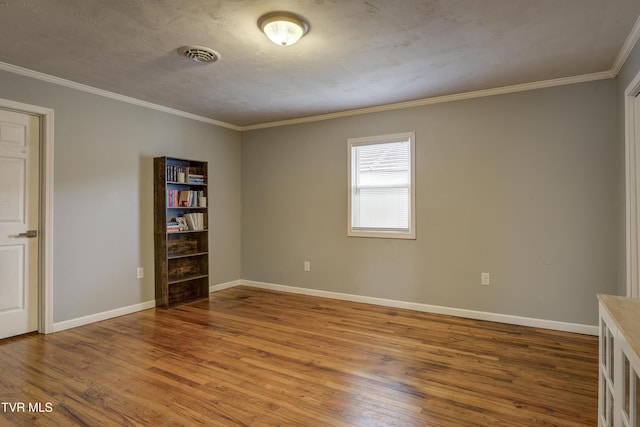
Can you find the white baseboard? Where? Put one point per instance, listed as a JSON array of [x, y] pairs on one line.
[[227, 285], [427, 308], [469, 314], [80, 321]]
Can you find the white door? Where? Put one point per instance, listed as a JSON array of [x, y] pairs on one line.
[[19, 187], [635, 283]]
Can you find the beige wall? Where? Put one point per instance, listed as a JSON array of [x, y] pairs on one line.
[[103, 193], [523, 186]]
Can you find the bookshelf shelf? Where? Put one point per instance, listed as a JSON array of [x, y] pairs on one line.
[[187, 279], [188, 255], [189, 184], [181, 236]]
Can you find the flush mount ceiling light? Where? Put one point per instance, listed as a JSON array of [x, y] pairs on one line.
[[199, 53], [283, 28]]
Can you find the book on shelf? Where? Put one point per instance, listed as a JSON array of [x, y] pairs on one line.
[[190, 221], [184, 198], [172, 173], [172, 226], [182, 223], [195, 178], [172, 198], [180, 174], [189, 198], [195, 221]]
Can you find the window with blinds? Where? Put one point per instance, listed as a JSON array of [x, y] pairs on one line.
[[381, 185]]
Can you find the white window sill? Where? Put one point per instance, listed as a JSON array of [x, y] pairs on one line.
[[382, 234]]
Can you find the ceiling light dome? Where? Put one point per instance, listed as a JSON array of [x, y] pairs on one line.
[[283, 28]]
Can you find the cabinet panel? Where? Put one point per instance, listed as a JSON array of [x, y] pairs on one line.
[[629, 382], [626, 386]]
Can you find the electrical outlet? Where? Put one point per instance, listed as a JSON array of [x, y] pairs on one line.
[[140, 272], [307, 266], [485, 279]]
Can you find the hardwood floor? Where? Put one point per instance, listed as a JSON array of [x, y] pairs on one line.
[[250, 357]]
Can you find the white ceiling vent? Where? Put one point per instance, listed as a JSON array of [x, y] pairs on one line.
[[199, 53]]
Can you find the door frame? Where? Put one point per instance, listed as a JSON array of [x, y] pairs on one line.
[[632, 177], [45, 232]]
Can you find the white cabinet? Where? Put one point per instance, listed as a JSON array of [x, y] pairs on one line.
[[606, 391], [619, 367]]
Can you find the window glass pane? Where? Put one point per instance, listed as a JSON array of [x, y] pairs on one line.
[[610, 355], [380, 185], [609, 408], [383, 208], [603, 345], [383, 164], [626, 385]]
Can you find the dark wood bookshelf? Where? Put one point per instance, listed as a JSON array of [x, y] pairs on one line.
[[181, 257]]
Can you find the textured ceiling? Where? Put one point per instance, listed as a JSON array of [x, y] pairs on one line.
[[357, 54]]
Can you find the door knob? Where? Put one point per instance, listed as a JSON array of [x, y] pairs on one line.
[[28, 234]]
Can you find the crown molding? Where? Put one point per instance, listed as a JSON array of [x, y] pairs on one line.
[[347, 113], [627, 47], [439, 99], [90, 89]]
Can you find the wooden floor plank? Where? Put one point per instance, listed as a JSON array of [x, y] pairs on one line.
[[251, 357]]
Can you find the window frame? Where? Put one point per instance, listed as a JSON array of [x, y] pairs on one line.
[[383, 233]]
